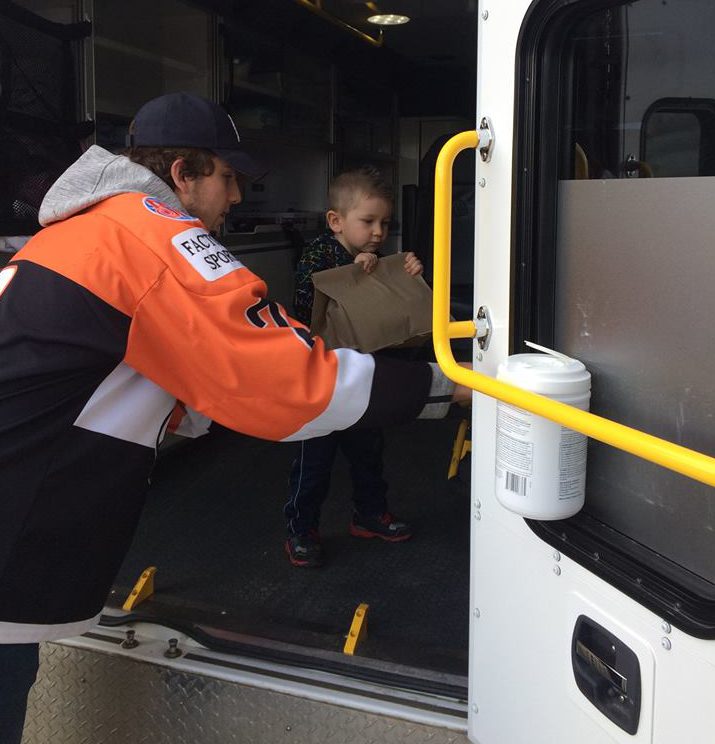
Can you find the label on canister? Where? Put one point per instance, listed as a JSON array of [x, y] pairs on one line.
[[541, 465]]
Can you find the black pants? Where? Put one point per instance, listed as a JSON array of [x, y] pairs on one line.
[[18, 669], [309, 480]]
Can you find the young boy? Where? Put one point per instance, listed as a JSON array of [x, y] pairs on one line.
[[360, 207]]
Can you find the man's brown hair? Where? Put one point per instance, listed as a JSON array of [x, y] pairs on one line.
[[159, 160], [347, 188]]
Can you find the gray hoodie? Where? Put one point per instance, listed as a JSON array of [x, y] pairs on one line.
[[96, 176]]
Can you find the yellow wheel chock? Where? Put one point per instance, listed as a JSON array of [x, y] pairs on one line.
[[358, 629], [142, 589], [461, 446]]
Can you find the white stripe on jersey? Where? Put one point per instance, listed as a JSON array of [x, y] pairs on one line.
[[350, 396], [127, 406]]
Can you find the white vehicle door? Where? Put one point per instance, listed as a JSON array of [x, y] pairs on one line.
[[594, 236]]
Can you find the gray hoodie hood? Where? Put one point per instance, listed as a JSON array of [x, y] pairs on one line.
[[96, 176]]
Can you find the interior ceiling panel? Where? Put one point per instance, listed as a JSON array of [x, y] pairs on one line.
[[430, 61]]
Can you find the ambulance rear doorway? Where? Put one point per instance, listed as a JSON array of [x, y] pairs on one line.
[[214, 529]]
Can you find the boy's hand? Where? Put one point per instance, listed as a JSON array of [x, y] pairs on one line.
[[413, 265], [368, 261]]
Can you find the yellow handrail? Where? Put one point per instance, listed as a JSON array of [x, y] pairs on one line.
[[672, 456]]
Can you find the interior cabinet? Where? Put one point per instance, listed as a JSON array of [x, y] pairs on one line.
[[365, 119], [308, 118], [279, 93], [274, 91], [300, 112], [42, 123], [365, 127], [171, 49]]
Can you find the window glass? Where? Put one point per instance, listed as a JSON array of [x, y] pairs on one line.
[[672, 142], [641, 90], [678, 137], [635, 266]]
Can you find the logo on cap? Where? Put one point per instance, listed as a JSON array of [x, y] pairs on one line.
[[164, 210]]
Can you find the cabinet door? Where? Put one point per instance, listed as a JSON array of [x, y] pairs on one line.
[[275, 92], [365, 120], [143, 50]]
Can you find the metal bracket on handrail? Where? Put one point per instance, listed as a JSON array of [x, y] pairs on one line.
[[483, 324], [486, 139]]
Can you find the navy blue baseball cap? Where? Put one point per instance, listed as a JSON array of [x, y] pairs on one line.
[[188, 120]]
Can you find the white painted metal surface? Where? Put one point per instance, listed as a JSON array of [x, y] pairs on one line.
[[525, 597]]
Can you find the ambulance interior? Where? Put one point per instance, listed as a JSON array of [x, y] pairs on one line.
[[213, 525], [314, 98], [314, 90]]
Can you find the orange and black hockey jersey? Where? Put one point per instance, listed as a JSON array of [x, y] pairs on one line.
[[121, 306]]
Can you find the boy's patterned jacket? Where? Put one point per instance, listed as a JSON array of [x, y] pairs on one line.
[[325, 252]]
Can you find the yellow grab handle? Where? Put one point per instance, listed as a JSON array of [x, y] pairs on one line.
[[682, 460]]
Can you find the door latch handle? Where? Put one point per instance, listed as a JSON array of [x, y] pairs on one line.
[[602, 669], [607, 672]]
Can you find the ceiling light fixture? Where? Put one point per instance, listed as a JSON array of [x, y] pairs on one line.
[[316, 6], [388, 19]]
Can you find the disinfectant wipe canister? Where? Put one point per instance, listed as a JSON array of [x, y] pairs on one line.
[[541, 465]]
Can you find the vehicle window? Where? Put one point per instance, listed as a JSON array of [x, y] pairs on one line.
[[672, 143], [634, 257], [678, 137]]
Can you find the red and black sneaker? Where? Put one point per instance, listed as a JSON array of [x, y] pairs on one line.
[[385, 526], [305, 550]]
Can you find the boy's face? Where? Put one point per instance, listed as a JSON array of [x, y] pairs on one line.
[[363, 228]]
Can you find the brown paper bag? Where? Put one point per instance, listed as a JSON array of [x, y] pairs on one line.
[[383, 309]]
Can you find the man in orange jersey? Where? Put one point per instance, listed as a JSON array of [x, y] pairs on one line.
[[125, 303]]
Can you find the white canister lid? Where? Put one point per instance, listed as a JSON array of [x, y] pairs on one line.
[[546, 374]]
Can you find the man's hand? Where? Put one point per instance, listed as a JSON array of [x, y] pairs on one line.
[[413, 265], [368, 261], [462, 394]]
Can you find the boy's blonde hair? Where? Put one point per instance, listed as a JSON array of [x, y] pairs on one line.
[[347, 188]]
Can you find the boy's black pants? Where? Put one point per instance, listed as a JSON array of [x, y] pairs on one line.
[[309, 480]]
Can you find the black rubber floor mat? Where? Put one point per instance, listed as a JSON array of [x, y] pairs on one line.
[[214, 528]]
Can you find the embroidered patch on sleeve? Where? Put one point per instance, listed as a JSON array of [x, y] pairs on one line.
[[209, 257], [164, 210]]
